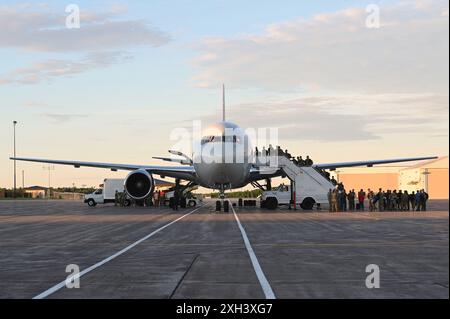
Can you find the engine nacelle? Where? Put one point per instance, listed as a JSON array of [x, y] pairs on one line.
[[139, 184]]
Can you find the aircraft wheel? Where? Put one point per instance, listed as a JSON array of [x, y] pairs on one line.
[[126, 202], [271, 203], [308, 203], [192, 203]]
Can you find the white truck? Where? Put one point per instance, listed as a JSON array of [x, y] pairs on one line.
[[107, 193], [281, 195], [311, 187]]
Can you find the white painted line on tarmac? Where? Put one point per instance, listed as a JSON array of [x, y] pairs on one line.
[[268, 292], [62, 284]]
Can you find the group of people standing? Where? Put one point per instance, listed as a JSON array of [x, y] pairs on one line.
[[270, 151], [120, 199], [157, 199], [400, 200], [340, 201]]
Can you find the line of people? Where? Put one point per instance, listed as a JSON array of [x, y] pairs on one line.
[[400, 200], [270, 151], [298, 160], [340, 201]]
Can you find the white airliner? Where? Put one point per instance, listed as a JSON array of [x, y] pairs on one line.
[[208, 168]]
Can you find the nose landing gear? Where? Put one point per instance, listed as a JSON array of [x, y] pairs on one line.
[[222, 202]]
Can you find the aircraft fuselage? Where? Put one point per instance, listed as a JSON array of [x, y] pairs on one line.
[[224, 158]]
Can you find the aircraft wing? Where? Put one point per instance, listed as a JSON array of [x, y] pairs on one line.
[[371, 163], [184, 172], [258, 173]]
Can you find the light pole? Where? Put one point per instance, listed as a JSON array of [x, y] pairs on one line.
[[49, 168], [14, 126], [337, 175], [426, 173]]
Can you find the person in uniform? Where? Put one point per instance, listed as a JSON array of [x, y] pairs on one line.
[[393, 200], [340, 199], [330, 191], [116, 198], [380, 196], [334, 201], [333, 180], [264, 151], [361, 199], [425, 199], [271, 150], [344, 200], [370, 197], [405, 201], [122, 199], [351, 200], [148, 201], [384, 197], [399, 200], [156, 198], [287, 154], [388, 200], [301, 161], [279, 151], [412, 200], [417, 199], [176, 199], [308, 161]]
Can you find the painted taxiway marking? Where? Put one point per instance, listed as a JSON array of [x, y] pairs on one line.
[[62, 284], [268, 292]]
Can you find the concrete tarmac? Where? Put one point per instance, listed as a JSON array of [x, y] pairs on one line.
[[203, 255]]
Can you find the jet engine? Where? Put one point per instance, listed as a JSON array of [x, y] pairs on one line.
[[139, 184]]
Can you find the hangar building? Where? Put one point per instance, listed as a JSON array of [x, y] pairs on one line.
[[431, 176]]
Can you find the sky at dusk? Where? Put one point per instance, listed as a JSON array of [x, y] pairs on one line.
[[114, 89]]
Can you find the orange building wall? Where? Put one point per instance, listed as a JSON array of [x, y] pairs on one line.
[[372, 181], [438, 183]]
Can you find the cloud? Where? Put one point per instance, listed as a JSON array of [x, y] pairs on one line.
[[336, 52], [347, 117], [53, 68], [102, 40], [62, 118], [35, 104], [40, 29]]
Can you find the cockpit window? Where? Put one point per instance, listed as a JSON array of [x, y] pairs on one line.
[[207, 139], [223, 138]]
